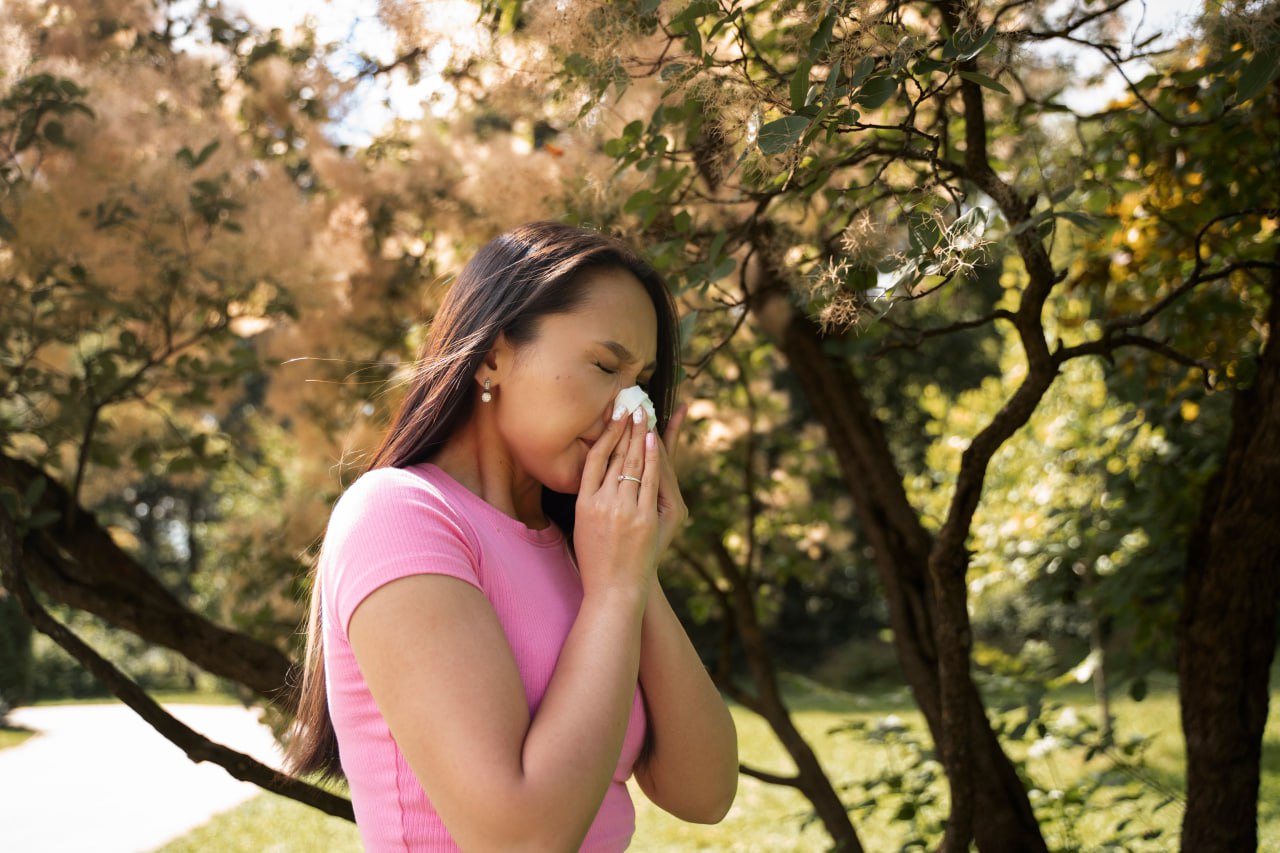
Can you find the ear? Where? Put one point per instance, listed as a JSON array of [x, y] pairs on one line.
[[497, 361]]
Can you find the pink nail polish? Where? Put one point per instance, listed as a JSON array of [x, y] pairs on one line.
[[650, 439]]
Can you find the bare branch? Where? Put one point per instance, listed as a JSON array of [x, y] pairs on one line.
[[771, 778], [377, 69], [196, 746], [1066, 30], [1108, 345], [918, 336]]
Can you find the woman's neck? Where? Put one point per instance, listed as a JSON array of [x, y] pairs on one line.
[[482, 464]]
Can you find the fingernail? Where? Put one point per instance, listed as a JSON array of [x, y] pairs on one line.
[[618, 411], [638, 416], [651, 439]]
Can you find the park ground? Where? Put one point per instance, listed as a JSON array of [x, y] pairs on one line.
[[1082, 803]]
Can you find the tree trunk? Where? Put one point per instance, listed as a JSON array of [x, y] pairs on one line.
[[901, 551], [1227, 629]]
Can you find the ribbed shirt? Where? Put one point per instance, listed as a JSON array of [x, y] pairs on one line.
[[392, 523]]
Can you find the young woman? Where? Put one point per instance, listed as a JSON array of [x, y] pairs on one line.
[[490, 655]]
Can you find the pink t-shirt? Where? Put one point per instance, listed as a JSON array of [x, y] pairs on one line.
[[392, 523]]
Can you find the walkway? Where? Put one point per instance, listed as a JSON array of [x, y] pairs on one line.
[[98, 778]]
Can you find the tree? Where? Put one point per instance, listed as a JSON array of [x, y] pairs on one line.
[[872, 201], [777, 132]]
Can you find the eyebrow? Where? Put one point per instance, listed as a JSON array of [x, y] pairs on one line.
[[625, 354]]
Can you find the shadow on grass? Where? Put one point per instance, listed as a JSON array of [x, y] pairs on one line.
[[13, 735]]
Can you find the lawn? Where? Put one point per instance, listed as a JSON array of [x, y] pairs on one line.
[[769, 818], [12, 736]]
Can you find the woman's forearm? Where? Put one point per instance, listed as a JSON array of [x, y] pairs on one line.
[[574, 741], [692, 771]]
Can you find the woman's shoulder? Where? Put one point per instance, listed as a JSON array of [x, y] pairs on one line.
[[396, 495]]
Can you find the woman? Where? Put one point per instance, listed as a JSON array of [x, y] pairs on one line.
[[490, 655]]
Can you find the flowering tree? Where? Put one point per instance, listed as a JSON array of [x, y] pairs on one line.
[[818, 165], [207, 296]]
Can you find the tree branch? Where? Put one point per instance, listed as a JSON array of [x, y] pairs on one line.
[[196, 746], [85, 569], [771, 778], [915, 337], [1106, 346], [1198, 275]]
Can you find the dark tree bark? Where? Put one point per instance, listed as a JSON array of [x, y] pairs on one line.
[[81, 566], [1227, 628], [902, 550]]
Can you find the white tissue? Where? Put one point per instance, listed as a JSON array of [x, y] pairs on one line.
[[629, 399]]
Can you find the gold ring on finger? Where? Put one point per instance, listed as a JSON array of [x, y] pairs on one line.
[[622, 477]]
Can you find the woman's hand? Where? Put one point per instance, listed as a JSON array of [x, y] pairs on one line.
[[617, 525], [672, 511]]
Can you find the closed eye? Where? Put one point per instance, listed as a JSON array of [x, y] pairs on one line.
[[605, 369]]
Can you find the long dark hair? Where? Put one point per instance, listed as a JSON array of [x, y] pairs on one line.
[[515, 280]]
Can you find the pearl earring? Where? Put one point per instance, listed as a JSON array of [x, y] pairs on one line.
[[487, 395]]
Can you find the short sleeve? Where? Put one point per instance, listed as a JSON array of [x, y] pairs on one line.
[[388, 525]]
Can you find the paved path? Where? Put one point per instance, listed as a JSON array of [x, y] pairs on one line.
[[98, 779]]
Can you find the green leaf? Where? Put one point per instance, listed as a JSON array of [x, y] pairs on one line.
[[780, 134], [966, 44], [927, 65], [822, 37], [722, 269], [143, 456], [577, 65], [800, 84], [692, 13], [1257, 73], [639, 201], [876, 90], [43, 518], [9, 500], [1080, 220], [983, 80], [57, 134], [862, 72], [35, 491], [671, 70], [717, 245], [205, 153], [687, 322]]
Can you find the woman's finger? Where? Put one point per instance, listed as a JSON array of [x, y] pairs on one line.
[[633, 461], [598, 457], [652, 474]]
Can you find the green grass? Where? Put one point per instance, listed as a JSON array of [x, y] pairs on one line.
[[270, 823], [770, 818], [12, 736]]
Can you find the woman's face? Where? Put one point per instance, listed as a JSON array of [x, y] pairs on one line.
[[556, 395]]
